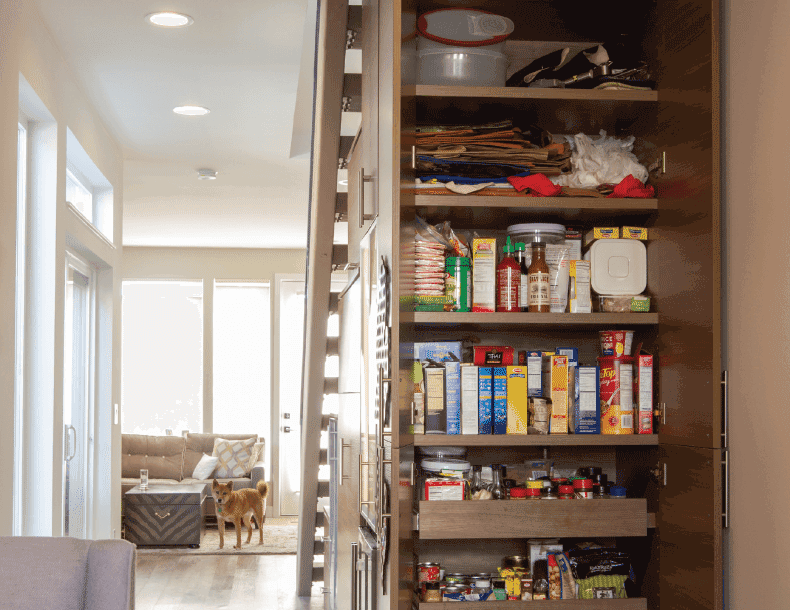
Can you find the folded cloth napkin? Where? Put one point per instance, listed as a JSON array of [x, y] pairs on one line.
[[537, 184], [631, 187]]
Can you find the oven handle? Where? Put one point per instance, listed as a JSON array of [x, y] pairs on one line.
[[354, 582]]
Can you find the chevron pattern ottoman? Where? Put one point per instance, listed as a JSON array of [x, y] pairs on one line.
[[166, 515]]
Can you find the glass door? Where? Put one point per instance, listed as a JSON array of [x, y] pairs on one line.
[[77, 397]]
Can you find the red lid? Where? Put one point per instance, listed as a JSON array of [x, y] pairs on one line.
[[453, 26], [582, 484], [566, 489], [532, 491], [518, 492]]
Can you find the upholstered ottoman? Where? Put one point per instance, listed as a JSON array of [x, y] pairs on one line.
[[166, 514]]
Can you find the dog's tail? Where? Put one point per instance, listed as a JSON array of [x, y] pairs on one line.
[[263, 488]]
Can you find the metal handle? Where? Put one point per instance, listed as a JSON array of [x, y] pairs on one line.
[[726, 418], [343, 446], [359, 487], [161, 516], [363, 178], [413, 157], [70, 445], [325, 590], [354, 584], [380, 496], [726, 513], [382, 404], [325, 538], [286, 429]]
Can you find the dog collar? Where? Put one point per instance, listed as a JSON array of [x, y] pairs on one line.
[[219, 509]]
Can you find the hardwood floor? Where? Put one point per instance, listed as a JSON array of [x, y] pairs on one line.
[[166, 582]]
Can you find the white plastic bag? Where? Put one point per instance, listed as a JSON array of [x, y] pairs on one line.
[[604, 160]]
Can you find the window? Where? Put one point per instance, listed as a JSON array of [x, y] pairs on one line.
[[162, 357], [78, 195], [242, 358]]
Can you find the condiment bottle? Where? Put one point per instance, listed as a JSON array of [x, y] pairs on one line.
[[539, 295], [497, 489], [521, 259], [508, 281]]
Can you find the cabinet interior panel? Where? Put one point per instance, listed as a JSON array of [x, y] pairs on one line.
[[523, 519]]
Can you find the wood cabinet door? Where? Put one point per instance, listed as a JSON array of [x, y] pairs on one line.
[[689, 528], [347, 496], [369, 157], [349, 346]]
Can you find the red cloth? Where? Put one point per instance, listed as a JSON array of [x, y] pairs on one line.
[[631, 187], [537, 184]]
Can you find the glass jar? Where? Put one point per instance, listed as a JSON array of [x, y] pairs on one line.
[[549, 494], [566, 492], [432, 592], [518, 493], [616, 492], [497, 488], [583, 488], [458, 282]]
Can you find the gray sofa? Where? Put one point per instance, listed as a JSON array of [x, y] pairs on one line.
[[172, 459], [38, 573]]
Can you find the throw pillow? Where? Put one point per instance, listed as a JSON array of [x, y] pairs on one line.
[[257, 456], [233, 457], [205, 467]]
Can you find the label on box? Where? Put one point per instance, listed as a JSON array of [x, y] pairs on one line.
[[634, 233], [644, 381], [444, 489], [469, 399], [601, 233], [580, 301], [448, 355], [499, 419], [484, 274], [587, 418]]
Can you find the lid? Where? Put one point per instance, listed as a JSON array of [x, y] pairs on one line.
[[454, 588], [599, 478], [535, 484], [452, 261], [428, 564], [582, 484], [617, 490], [435, 584], [455, 575], [438, 465], [538, 232], [458, 52], [464, 27], [442, 452], [521, 246], [618, 266], [508, 247], [566, 489], [518, 492]]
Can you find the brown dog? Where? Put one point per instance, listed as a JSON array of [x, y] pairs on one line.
[[233, 506]]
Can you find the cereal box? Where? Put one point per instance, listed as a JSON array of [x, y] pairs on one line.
[[469, 399], [559, 395], [573, 377], [446, 354], [587, 410], [644, 393], [485, 398], [601, 233], [534, 374], [499, 416], [484, 274], [517, 401], [493, 355]]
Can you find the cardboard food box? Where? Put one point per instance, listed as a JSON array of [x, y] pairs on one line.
[[634, 233], [587, 410], [534, 374], [580, 300], [573, 378], [493, 355], [517, 400], [484, 274], [601, 233], [644, 393], [444, 489], [485, 397], [559, 395], [442, 412], [499, 415], [470, 383]]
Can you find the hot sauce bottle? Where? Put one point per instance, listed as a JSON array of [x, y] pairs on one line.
[[539, 296], [508, 281]]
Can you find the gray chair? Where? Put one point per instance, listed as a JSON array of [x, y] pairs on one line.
[[42, 573]]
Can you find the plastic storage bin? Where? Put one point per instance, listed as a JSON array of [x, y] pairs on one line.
[[618, 266], [461, 66], [537, 232]]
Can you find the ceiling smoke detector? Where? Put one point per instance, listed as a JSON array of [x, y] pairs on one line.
[[207, 174]]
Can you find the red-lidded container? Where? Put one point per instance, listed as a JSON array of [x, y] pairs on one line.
[[617, 394], [533, 493], [583, 488], [566, 492], [518, 493]]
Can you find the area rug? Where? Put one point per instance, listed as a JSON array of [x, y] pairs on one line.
[[279, 538]]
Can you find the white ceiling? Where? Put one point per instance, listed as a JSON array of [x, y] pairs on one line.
[[241, 59]]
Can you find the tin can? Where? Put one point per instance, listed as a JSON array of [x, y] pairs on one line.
[[458, 282], [617, 394], [616, 342], [454, 593], [428, 572], [455, 578]]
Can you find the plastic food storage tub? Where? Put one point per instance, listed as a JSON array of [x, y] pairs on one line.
[[461, 66], [537, 232]]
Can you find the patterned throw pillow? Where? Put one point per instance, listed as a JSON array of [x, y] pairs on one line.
[[256, 456], [233, 457]]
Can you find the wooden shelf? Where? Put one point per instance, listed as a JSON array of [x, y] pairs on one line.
[[636, 603], [529, 93], [466, 519], [533, 440], [523, 202], [449, 318]]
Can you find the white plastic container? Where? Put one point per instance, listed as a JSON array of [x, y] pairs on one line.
[[537, 232], [618, 266], [461, 66], [464, 27]]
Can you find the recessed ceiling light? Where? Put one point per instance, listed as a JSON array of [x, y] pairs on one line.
[[169, 19], [191, 110], [207, 174]]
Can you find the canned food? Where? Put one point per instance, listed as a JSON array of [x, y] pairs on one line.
[[454, 577], [428, 572], [454, 593]]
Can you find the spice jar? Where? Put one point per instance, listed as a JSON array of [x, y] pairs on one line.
[[549, 494], [500, 594], [428, 572], [533, 493], [583, 488], [458, 282], [616, 491], [566, 492], [518, 493], [432, 592], [454, 578]]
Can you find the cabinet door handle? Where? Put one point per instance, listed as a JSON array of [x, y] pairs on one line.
[[161, 516], [343, 446], [359, 485], [413, 157], [354, 583], [362, 179]]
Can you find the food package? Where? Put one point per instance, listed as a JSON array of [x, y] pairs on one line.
[[484, 274], [493, 355], [517, 400], [601, 233], [601, 573]]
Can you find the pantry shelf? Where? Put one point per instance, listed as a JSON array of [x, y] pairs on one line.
[[533, 440], [636, 603], [530, 93], [465, 519], [454, 318]]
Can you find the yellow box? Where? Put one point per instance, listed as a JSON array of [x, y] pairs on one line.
[[601, 233], [559, 395], [517, 400], [634, 233]]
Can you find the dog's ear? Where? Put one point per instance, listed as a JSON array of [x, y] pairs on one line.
[[214, 484], [230, 485]]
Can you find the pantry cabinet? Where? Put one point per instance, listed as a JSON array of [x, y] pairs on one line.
[[671, 524]]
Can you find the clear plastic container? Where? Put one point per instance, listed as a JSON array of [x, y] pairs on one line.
[[433, 468], [461, 66], [536, 232], [618, 266], [464, 28]]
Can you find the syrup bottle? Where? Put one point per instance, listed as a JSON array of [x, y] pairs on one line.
[[539, 296], [508, 281]]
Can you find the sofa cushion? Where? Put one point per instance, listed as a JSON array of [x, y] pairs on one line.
[[205, 467], [233, 457], [163, 456], [198, 443], [42, 572], [258, 454]]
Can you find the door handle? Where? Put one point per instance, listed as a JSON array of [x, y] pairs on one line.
[[343, 446], [359, 484], [354, 584], [286, 429], [363, 178], [69, 444]]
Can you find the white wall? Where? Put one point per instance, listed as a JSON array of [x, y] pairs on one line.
[[756, 135], [208, 265], [27, 48]]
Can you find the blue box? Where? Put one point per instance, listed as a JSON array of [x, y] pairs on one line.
[[499, 416], [485, 403], [449, 354], [587, 411]]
